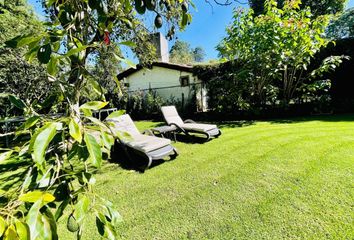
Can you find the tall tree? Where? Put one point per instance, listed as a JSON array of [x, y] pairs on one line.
[[181, 52], [277, 46], [318, 7]]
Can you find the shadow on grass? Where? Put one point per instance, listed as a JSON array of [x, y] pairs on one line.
[[12, 174], [321, 118], [130, 160]]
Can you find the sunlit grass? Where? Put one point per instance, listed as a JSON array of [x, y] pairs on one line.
[[264, 180]]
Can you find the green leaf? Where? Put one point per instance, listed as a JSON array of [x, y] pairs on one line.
[[2, 226], [16, 101], [108, 139], [50, 224], [10, 233], [49, 3], [94, 105], [52, 66], [87, 112], [22, 230], [32, 53], [116, 114], [26, 40], [42, 139], [129, 63], [36, 196], [128, 43], [184, 20], [78, 49], [12, 43], [74, 130], [34, 221], [5, 155], [98, 122], [94, 150], [81, 209], [60, 209], [30, 122]]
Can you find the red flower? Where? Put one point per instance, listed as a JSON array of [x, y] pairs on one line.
[[106, 38]]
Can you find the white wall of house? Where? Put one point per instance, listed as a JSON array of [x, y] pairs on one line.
[[168, 83]]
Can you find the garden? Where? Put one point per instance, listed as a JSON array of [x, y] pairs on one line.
[[282, 167]]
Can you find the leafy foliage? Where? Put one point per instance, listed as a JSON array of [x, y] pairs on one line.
[[277, 48], [17, 76], [342, 27], [318, 7]]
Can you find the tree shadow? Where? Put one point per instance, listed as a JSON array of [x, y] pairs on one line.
[[321, 118], [12, 173], [235, 124]]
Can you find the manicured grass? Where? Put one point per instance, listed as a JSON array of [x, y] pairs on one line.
[[266, 180], [260, 180]]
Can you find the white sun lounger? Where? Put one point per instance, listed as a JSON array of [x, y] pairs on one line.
[[172, 118], [149, 147]]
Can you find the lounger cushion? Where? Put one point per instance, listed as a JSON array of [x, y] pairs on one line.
[[171, 115], [200, 127], [124, 124], [146, 143]]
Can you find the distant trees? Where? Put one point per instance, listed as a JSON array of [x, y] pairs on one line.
[[198, 54], [318, 7], [181, 52]]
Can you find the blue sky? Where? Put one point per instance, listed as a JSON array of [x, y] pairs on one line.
[[207, 28]]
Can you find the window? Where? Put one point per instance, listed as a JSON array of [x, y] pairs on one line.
[[184, 81]]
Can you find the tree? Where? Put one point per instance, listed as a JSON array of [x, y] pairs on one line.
[[198, 54], [318, 7], [181, 52], [343, 26], [64, 152], [17, 76], [278, 45]]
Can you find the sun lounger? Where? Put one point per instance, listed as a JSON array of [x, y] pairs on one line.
[[149, 147], [172, 118]]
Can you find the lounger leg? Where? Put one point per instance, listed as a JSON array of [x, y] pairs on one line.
[[174, 155], [149, 162]]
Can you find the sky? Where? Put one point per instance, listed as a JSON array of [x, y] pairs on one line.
[[207, 27]]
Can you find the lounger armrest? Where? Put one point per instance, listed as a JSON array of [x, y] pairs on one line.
[[189, 121], [148, 132], [177, 126]]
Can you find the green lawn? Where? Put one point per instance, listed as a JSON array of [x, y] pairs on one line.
[[264, 180], [260, 180]]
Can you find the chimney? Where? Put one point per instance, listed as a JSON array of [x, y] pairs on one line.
[[161, 45]]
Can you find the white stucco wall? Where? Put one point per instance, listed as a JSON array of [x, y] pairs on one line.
[[169, 80]]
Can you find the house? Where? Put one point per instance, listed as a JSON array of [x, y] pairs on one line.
[[168, 80]]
